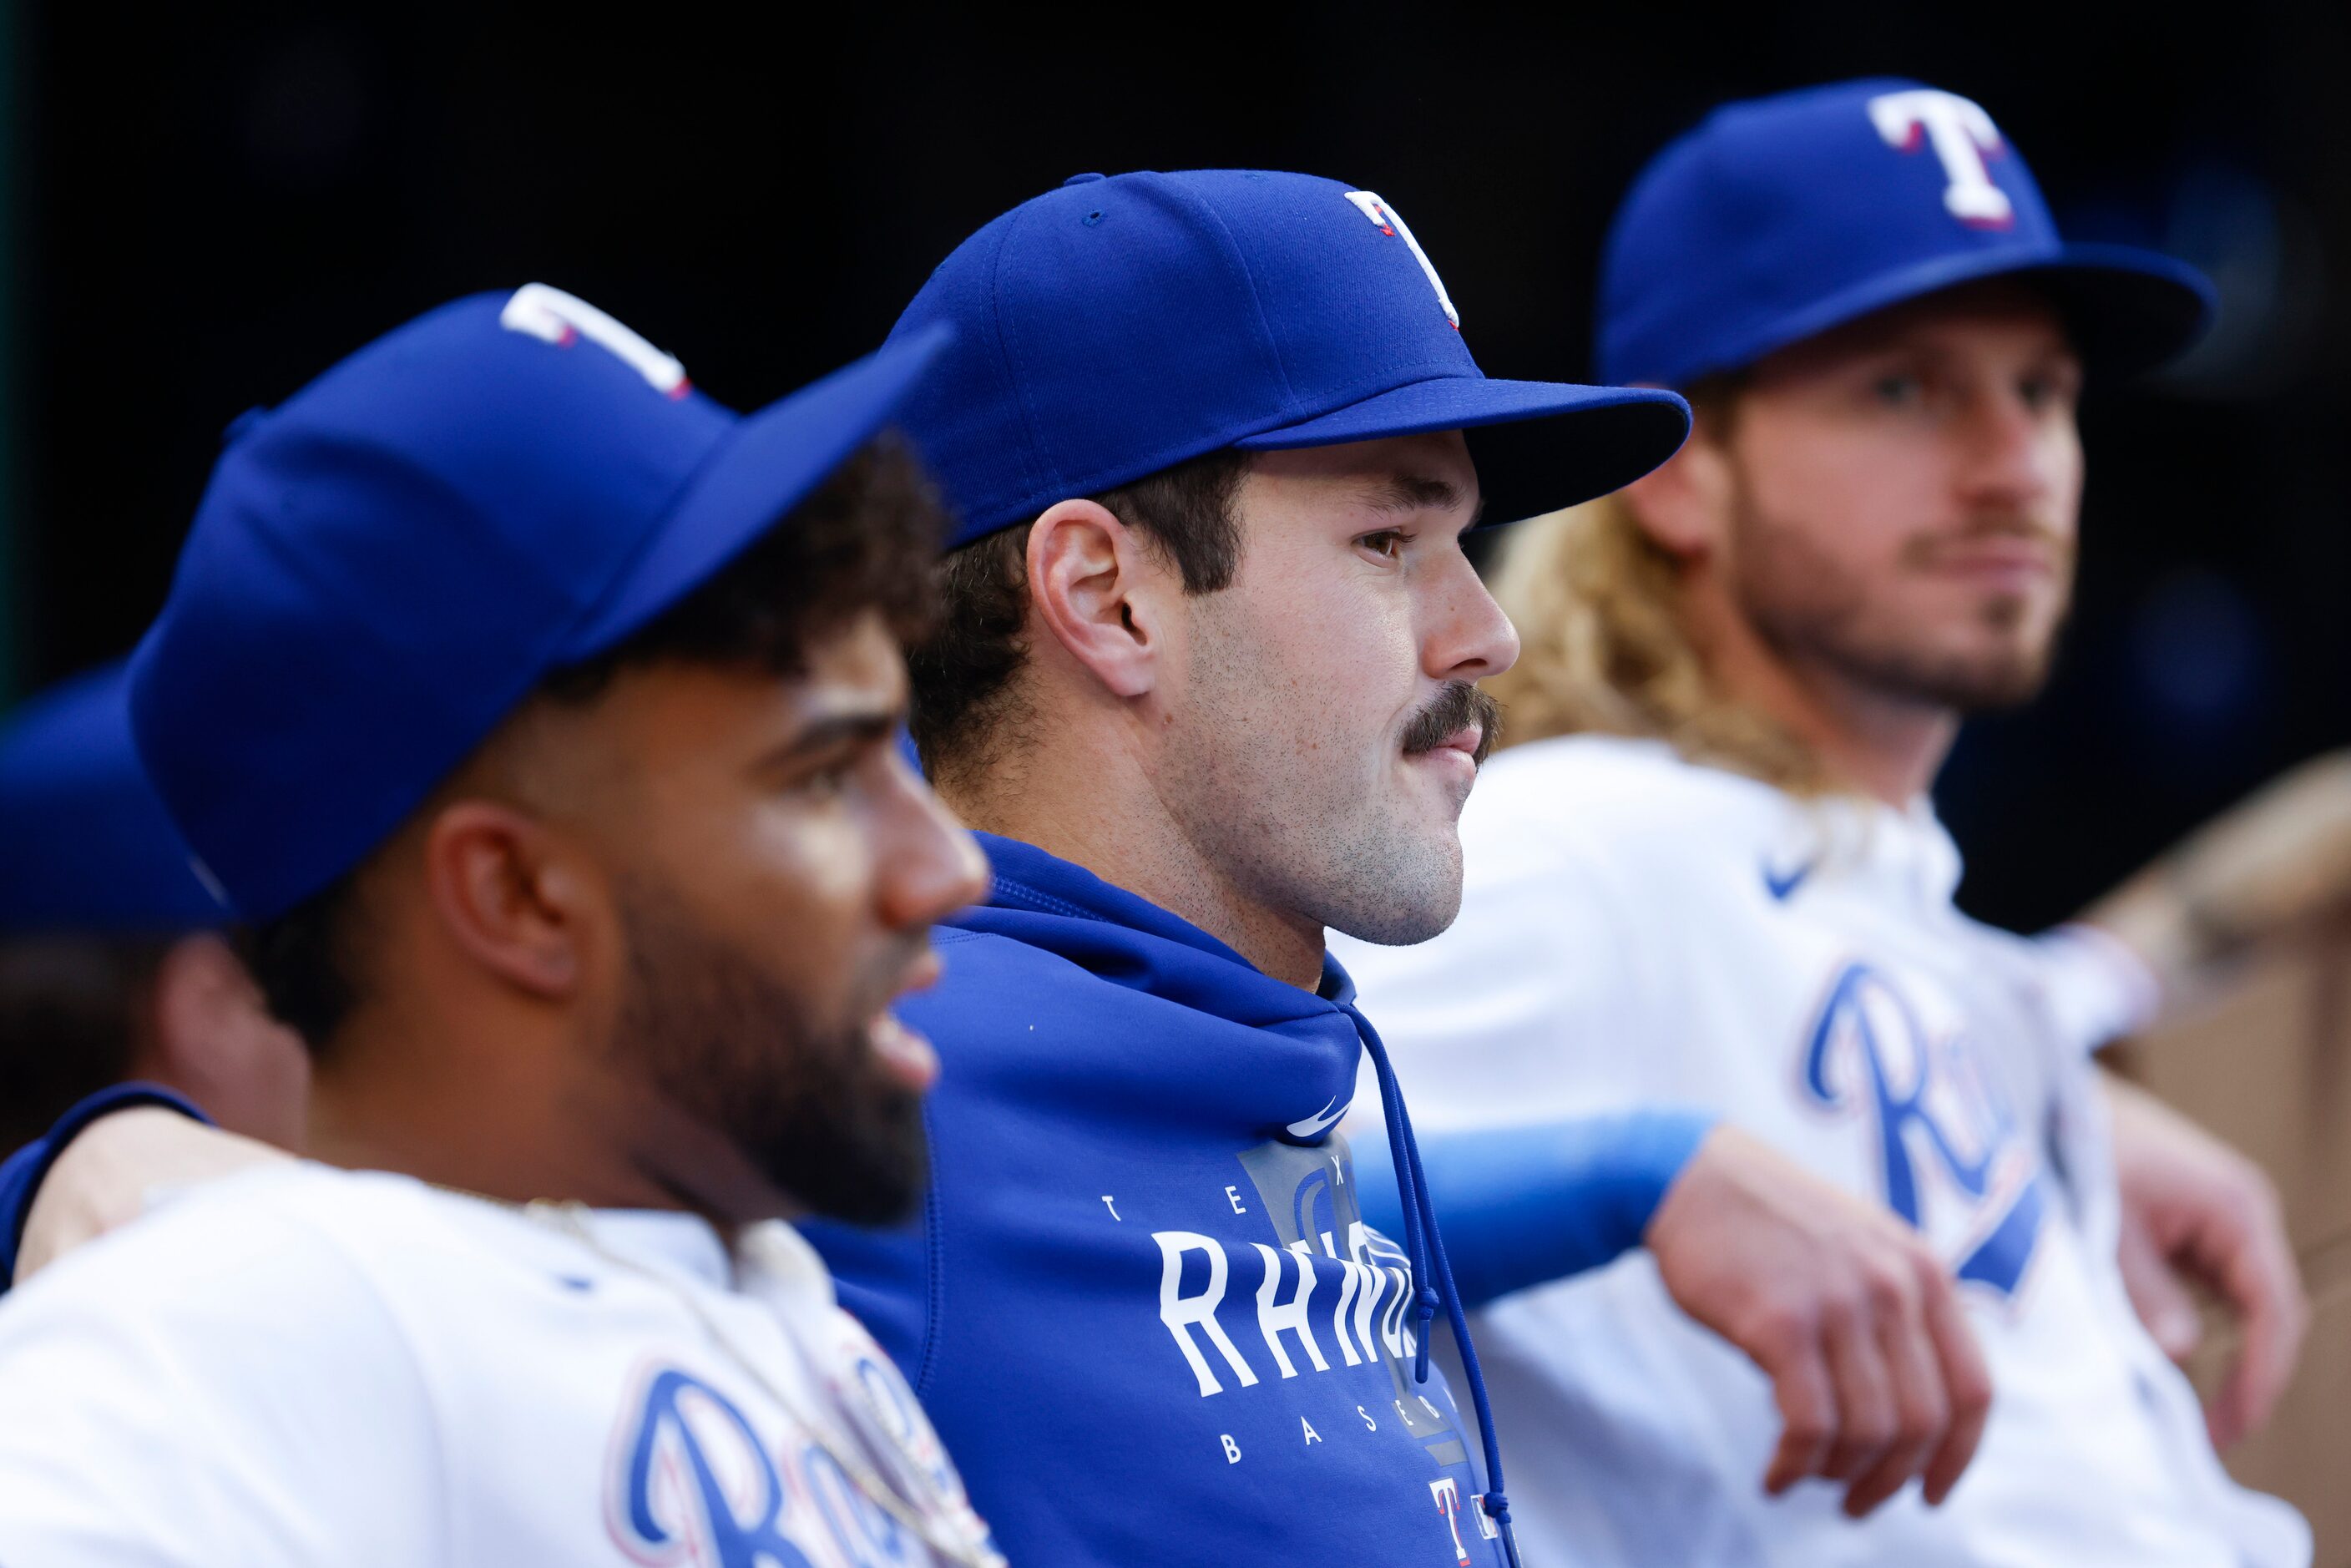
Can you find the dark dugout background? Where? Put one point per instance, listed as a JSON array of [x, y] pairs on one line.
[[208, 205]]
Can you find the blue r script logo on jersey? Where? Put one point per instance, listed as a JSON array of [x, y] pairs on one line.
[[696, 1484], [1952, 1164]]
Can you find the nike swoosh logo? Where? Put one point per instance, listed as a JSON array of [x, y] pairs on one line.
[[1780, 887], [1313, 1125]]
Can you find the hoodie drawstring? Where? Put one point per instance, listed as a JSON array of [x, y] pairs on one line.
[[1425, 1249]]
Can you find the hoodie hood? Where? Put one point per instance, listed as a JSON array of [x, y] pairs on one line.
[[1287, 1060]]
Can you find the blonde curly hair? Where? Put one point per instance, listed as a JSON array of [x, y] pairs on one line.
[[1597, 603]]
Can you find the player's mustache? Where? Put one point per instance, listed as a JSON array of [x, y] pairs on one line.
[[1453, 708], [1921, 549]]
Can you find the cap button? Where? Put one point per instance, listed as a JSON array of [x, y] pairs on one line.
[[1082, 180], [242, 425]]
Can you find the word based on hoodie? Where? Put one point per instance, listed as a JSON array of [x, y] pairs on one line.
[[1142, 1305]]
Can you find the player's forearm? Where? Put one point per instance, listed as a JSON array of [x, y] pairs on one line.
[[1523, 1206]]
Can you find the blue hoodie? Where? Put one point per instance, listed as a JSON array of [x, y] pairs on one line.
[[1141, 1304]]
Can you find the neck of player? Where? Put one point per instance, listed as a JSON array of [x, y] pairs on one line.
[[1869, 741], [1086, 795], [514, 1108]]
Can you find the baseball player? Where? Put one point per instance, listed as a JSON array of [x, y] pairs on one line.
[[1204, 682], [1709, 874], [537, 715], [111, 968], [1204, 675]]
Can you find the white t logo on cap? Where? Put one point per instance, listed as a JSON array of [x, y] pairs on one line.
[[1961, 133], [558, 318], [1381, 213]]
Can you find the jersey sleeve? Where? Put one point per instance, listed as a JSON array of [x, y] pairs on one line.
[[2097, 988], [2092, 988], [1527, 1205], [231, 1393]]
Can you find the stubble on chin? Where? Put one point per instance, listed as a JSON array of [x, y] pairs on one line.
[[1282, 794], [1806, 604], [1377, 859], [1402, 885]]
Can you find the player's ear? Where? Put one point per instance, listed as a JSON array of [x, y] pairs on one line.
[[1097, 591], [190, 993], [211, 1038], [1685, 504], [509, 893], [204, 1004]]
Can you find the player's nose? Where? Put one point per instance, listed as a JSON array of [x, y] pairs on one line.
[[1469, 638], [931, 867], [2012, 451]]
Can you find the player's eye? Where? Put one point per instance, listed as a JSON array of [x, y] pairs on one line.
[[828, 781], [1387, 544], [1898, 389], [2046, 389]]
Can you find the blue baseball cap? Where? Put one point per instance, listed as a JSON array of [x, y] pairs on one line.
[[1780, 217], [85, 846], [1119, 325], [388, 562]]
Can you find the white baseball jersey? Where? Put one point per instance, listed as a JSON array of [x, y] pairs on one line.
[[300, 1367], [1640, 931]]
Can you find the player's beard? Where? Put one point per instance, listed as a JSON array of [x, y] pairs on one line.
[[804, 1101], [1803, 601]]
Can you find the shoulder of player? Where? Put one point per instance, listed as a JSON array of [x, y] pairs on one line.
[[226, 1385], [245, 1276], [267, 1238], [1625, 776], [1602, 795]]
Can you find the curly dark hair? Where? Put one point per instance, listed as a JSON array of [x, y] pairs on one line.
[[967, 706], [859, 542]]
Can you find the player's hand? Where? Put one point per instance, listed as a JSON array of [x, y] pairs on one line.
[[1877, 1371], [2271, 865], [104, 1177], [2194, 1208]]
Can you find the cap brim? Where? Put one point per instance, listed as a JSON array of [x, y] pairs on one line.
[[773, 460], [2130, 311], [1606, 438]]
